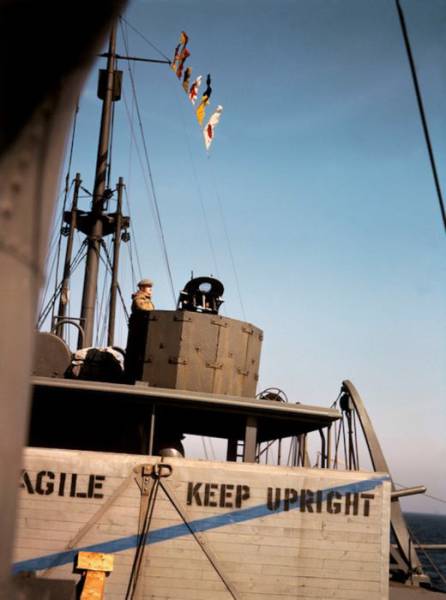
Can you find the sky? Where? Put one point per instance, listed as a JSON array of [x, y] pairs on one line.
[[315, 206]]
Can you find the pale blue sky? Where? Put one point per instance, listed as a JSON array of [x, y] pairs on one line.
[[321, 168]]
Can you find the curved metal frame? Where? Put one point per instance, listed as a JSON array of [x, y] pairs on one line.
[[68, 321], [398, 525]]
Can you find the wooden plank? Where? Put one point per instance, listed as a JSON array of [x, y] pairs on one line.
[[318, 552]]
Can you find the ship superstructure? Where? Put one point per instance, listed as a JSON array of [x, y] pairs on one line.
[[107, 497]]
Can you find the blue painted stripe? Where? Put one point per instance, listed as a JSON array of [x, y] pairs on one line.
[[199, 525]]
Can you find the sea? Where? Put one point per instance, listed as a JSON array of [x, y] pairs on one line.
[[430, 529]]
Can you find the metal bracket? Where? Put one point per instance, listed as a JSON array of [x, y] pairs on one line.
[[215, 365], [242, 372], [219, 323], [176, 360], [146, 479]]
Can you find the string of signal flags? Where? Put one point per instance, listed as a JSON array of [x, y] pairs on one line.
[[181, 54]]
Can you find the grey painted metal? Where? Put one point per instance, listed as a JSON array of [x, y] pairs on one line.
[[329, 445], [136, 58], [398, 523], [65, 289], [52, 357], [32, 139], [96, 231], [152, 429], [412, 491], [321, 416], [68, 321], [231, 451], [249, 453], [116, 249], [201, 352]]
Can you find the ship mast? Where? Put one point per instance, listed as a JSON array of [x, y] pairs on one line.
[[95, 232], [97, 223]]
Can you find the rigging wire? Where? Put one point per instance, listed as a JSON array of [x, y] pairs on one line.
[[149, 170], [67, 189], [133, 236], [109, 265], [160, 52], [74, 264], [421, 111], [51, 256], [198, 187], [423, 550], [204, 447], [152, 205], [48, 281], [132, 268], [127, 203], [228, 240], [142, 542]]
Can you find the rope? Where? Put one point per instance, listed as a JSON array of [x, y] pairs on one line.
[[50, 274], [197, 539], [152, 183], [76, 261], [421, 111], [160, 52], [55, 238], [67, 189], [139, 554], [442, 500]]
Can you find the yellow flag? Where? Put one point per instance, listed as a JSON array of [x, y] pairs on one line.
[[201, 109]]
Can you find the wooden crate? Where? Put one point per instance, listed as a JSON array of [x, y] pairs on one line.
[[218, 530]]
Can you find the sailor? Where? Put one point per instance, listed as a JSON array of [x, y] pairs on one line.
[[142, 299]]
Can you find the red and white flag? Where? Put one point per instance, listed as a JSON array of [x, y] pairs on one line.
[[208, 131], [193, 92]]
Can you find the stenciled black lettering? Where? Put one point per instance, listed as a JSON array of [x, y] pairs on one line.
[[26, 483], [291, 496], [49, 488], [73, 485], [95, 483], [273, 504], [319, 499], [193, 493], [209, 494], [306, 501], [62, 480], [80, 494], [242, 492], [333, 507], [367, 498], [226, 495], [351, 502]]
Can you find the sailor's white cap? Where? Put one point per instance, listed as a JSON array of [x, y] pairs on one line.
[[145, 283]]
